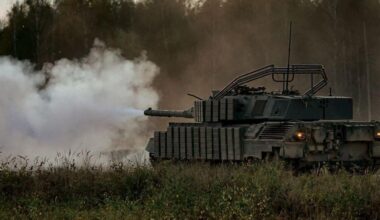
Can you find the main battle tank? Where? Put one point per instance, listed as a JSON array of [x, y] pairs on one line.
[[240, 123]]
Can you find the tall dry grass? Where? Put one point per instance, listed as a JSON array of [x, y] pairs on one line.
[[41, 190]]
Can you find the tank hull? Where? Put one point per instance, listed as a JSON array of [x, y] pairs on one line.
[[309, 142]]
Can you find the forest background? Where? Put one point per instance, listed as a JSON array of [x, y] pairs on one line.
[[200, 46]]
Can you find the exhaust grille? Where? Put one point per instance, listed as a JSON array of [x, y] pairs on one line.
[[275, 131]]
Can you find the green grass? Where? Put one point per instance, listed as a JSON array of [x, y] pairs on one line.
[[184, 191]]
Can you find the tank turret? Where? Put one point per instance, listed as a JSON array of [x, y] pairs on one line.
[[239, 103]]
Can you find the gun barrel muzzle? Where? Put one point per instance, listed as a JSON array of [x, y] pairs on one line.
[[167, 113]]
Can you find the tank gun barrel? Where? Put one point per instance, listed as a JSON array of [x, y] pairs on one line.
[[166, 113]]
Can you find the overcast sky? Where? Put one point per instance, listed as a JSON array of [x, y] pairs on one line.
[[4, 6]]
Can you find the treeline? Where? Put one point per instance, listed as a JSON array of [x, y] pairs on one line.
[[202, 46]]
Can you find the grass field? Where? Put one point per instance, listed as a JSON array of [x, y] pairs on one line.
[[183, 191]]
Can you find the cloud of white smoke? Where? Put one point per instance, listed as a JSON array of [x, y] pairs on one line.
[[90, 104]]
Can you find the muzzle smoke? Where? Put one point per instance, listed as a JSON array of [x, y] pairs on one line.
[[89, 104]]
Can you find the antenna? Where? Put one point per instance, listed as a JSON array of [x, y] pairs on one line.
[[194, 96], [286, 81]]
